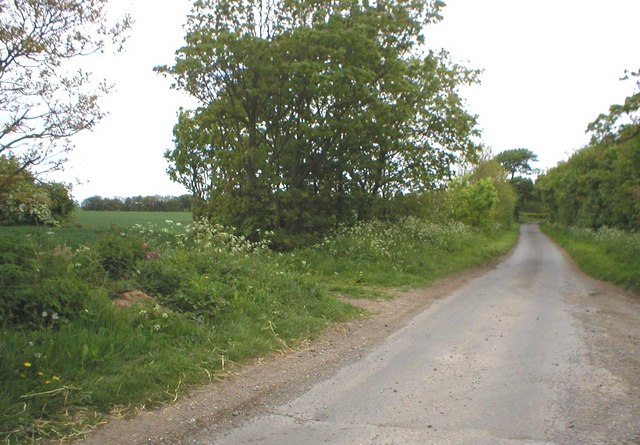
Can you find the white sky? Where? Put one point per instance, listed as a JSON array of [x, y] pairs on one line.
[[550, 67]]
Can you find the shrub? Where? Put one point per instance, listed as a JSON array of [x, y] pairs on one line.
[[473, 203], [161, 275], [119, 252], [25, 200], [39, 288], [62, 205]]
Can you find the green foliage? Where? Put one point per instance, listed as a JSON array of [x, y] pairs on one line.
[[100, 203], [139, 204], [623, 121], [40, 288], [517, 160], [608, 254], [482, 198], [598, 186], [119, 254], [62, 205], [24, 200], [329, 140], [527, 201], [473, 203]]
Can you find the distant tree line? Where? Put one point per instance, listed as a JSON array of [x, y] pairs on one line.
[[139, 203]]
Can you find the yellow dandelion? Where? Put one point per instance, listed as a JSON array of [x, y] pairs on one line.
[[27, 365], [55, 378], [40, 373]]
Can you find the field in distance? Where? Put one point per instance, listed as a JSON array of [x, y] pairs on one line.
[[85, 225]]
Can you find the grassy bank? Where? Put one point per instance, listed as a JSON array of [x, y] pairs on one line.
[[608, 254], [70, 357]]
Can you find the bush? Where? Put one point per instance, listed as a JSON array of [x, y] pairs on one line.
[[160, 276], [473, 203], [25, 200], [119, 252], [62, 205], [39, 288]]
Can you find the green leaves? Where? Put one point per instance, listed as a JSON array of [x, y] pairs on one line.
[[311, 111], [623, 121], [598, 186], [517, 160]]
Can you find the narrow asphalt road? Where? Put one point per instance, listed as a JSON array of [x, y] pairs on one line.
[[530, 353]]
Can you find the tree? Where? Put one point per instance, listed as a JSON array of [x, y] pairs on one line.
[[62, 205], [314, 113], [100, 203], [139, 203], [517, 160], [623, 121], [25, 200], [43, 103], [473, 203], [483, 197], [524, 189], [598, 186]]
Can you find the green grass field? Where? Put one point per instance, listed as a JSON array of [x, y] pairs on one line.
[[126, 219], [85, 227]]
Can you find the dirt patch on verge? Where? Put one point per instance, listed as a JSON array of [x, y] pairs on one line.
[[131, 298], [246, 390]]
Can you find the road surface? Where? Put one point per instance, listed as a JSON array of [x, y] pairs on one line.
[[531, 352]]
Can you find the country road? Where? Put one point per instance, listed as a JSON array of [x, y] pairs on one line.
[[530, 352]]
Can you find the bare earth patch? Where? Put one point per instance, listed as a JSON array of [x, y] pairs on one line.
[[131, 298]]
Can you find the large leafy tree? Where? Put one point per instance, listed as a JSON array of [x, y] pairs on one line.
[[42, 101], [314, 113]]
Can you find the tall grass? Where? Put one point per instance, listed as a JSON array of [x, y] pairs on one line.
[[216, 298], [410, 252], [608, 254]]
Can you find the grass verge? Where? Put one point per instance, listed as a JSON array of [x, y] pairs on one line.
[[70, 357], [607, 254]]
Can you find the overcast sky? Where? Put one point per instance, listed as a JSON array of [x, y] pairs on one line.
[[550, 67]]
